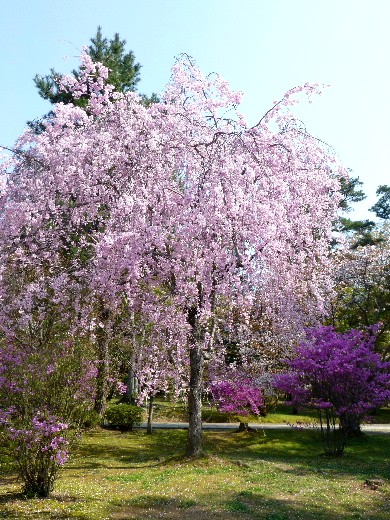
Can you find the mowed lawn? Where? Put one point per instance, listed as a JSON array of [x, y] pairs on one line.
[[276, 475]]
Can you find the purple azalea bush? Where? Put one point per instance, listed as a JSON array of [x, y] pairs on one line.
[[341, 376], [38, 451], [44, 396]]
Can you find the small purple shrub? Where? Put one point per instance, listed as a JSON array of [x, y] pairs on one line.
[[238, 395], [38, 450], [44, 397]]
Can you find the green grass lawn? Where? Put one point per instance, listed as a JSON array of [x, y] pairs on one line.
[[280, 475], [167, 411]]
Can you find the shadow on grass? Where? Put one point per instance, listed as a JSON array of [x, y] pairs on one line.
[[11, 497], [15, 505], [129, 448], [246, 504], [364, 457], [295, 453], [301, 451], [290, 508]]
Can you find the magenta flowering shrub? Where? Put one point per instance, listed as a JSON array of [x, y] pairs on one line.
[[338, 374], [238, 395], [38, 450], [44, 397]]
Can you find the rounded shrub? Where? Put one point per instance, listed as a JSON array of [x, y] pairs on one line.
[[123, 416]]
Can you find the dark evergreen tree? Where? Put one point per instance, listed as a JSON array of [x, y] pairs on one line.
[[382, 207], [361, 230], [350, 192]]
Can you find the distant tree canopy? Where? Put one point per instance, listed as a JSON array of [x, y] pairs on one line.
[[350, 192], [362, 231]]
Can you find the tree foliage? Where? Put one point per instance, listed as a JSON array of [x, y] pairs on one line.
[[362, 288], [123, 75], [382, 207], [351, 192], [359, 232]]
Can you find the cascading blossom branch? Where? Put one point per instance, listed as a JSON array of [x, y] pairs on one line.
[[182, 192], [91, 84]]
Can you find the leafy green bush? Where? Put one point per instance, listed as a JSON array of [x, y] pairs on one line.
[[91, 420], [123, 416]]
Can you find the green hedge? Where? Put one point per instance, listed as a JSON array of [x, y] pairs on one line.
[[123, 416]]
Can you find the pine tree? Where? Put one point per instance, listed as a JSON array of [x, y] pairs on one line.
[[360, 230], [124, 71], [382, 207], [124, 75]]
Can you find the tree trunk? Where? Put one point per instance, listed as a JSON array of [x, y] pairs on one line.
[[350, 424], [194, 445], [243, 427], [149, 428], [102, 377], [194, 442], [102, 347], [132, 385]]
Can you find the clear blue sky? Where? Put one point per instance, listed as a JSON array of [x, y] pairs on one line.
[[262, 47]]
